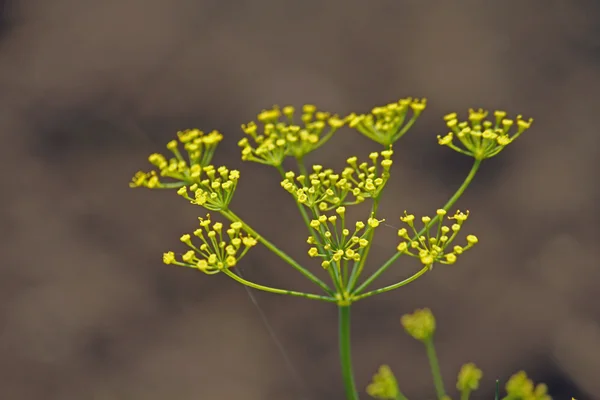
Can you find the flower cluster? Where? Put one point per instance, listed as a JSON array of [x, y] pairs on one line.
[[468, 378], [215, 252], [420, 325], [431, 249], [199, 149], [339, 244], [327, 190], [482, 138], [384, 385], [386, 124], [280, 136], [215, 190], [520, 387]]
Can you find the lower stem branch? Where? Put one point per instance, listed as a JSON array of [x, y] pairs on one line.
[[269, 289]]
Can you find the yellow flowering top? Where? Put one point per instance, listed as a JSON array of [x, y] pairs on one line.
[[468, 378], [420, 324], [347, 245], [278, 134], [181, 168], [480, 137], [326, 190], [520, 387], [387, 124], [384, 385], [214, 190], [219, 248], [434, 248]]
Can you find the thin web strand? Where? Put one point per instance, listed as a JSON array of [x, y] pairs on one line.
[[278, 343]]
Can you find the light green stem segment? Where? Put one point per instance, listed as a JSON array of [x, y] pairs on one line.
[[465, 394], [446, 207], [358, 267], [234, 218], [269, 289], [394, 286], [345, 352], [438, 382]]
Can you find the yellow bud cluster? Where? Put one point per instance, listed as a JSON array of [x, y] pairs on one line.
[[519, 386], [219, 248], [199, 149], [384, 385], [420, 324], [386, 124], [327, 190], [280, 136], [468, 378], [480, 137], [338, 242], [214, 188], [431, 249]]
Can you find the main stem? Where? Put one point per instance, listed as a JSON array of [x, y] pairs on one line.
[[438, 382], [345, 352]]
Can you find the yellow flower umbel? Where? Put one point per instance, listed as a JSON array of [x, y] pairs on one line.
[[182, 170], [482, 138], [327, 190], [520, 387], [341, 244], [216, 251], [384, 385], [281, 137], [386, 124], [468, 379], [215, 191], [431, 249], [420, 324]]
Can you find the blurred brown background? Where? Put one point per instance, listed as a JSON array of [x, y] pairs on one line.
[[89, 88]]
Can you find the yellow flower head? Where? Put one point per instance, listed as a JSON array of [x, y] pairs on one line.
[[384, 385], [214, 191], [519, 386], [431, 248], [387, 124], [482, 137], [468, 378], [336, 240], [327, 190], [420, 324], [182, 168], [218, 249], [282, 134]]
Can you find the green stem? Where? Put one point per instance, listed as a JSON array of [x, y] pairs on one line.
[[234, 218], [497, 395], [392, 287], [345, 352], [438, 382], [446, 207], [269, 289], [465, 394], [302, 167], [357, 269]]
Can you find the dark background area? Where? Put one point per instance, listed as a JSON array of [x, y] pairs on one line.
[[89, 88]]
